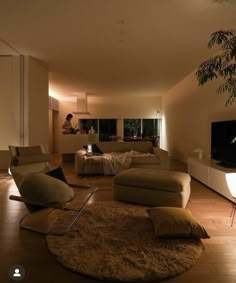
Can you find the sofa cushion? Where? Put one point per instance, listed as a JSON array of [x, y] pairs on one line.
[[142, 160], [29, 159], [143, 147], [28, 150], [153, 179]]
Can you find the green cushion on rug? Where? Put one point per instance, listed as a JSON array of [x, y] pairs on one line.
[[174, 222]]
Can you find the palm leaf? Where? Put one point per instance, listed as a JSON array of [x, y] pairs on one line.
[[228, 86], [229, 70], [223, 65], [230, 99], [230, 43], [209, 70], [219, 37]]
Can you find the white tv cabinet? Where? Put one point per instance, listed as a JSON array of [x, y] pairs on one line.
[[210, 174]]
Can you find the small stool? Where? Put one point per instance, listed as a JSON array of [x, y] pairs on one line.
[[152, 187]]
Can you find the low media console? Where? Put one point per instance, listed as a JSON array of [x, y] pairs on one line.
[[210, 174]]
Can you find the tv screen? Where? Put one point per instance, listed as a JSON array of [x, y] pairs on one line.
[[223, 143]]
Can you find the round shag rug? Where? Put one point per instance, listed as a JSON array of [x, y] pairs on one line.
[[115, 241]]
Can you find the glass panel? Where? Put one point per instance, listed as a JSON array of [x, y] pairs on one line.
[[142, 129], [86, 124], [150, 127], [132, 128], [107, 129], [151, 130]]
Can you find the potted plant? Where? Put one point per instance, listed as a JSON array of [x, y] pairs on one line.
[[221, 65]]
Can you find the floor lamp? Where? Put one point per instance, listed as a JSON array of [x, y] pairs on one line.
[[231, 182]]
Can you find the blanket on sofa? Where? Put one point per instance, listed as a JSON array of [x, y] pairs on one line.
[[115, 162]]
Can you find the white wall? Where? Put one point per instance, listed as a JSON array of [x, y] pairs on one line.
[[50, 129], [9, 105], [124, 106], [188, 112], [23, 104], [117, 107], [36, 102], [54, 131], [9, 101]]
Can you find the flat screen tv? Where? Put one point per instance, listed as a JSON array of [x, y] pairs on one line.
[[223, 143]]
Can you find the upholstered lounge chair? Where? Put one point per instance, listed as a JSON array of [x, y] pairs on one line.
[[44, 191]]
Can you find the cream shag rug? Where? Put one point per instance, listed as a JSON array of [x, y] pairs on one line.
[[115, 241]]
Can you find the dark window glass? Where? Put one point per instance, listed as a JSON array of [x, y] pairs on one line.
[[150, 127], [142, 129], [86, 124], [132, 128], [151, 130], [107, 128]]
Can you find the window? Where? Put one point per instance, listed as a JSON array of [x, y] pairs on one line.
[[151, 130], [107, 128], [150, 127], [132, 128], [142, 129], [86, 124]]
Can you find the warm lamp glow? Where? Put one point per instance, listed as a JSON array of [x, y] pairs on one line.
[[231, 182], [89, 149]]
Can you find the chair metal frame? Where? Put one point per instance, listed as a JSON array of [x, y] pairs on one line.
[[232, 214], [34, 211]]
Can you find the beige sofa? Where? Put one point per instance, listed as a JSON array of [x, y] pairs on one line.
[[119, 156]]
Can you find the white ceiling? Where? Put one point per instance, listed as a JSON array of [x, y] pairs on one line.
[[114, 46]]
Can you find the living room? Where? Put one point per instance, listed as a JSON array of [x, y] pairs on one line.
[[171, 93], [183, 105]]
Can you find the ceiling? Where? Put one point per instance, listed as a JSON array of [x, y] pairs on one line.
[[114, 46]]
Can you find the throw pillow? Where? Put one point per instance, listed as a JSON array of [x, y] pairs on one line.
[[29, 159], [58, 174], [28, 150], [174, 222], [43, 190]]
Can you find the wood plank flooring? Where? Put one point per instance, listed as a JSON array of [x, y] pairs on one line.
[[19, 246]]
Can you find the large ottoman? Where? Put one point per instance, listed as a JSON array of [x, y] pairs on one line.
[[152, 187]]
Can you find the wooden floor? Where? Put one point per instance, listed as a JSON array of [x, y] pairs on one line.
[[19, 246]]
